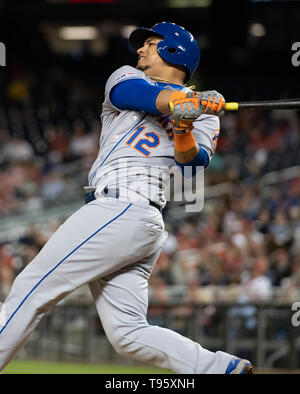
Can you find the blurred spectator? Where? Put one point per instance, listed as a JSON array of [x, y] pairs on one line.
[[280, 229], [159, 290], [256, 284], [6, 269], [279, 266], [187, 237], [290, 289], [163, 268], [82, 143], [17, 149], [58, 143], [263, 222], [53, 185]]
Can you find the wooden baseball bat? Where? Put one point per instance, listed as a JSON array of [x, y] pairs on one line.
[[268, 104]]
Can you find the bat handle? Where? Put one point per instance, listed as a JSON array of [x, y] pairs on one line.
[[227, 106], [231, 106]]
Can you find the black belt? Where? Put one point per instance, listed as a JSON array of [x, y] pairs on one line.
[[153, 204], [90, 196]]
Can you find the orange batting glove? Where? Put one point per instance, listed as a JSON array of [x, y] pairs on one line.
[[185, 108], [212, 102]]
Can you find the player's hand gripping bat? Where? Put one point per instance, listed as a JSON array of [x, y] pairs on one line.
[[186, 107]]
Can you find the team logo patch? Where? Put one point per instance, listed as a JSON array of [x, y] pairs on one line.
[[214, 139], [124, 76]]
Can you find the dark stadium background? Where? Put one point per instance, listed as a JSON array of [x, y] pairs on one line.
[[239, 65]]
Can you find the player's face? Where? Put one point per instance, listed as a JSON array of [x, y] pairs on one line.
[[149, 60]]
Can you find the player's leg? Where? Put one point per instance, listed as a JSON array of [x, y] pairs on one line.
[[122, 301], [97, 240]]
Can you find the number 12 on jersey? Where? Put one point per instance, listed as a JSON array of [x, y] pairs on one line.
[[141, 140]]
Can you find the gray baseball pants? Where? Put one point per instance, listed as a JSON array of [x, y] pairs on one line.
[[111, 245]]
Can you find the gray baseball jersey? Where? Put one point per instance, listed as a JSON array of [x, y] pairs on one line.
[[137, 148]]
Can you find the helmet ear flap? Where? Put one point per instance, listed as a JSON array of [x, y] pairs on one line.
[[169, 52], [166, 48]]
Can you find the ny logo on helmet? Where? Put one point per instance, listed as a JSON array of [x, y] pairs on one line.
[[2, 54]]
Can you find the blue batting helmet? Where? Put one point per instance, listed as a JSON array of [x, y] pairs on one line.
[[177, 47]]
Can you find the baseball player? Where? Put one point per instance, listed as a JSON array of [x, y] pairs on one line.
[[150, 120]]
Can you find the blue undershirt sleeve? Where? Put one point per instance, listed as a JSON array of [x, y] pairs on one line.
[[135, 94], [201, 160]]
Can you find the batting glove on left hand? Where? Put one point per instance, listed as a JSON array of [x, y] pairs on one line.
[[186, 107]]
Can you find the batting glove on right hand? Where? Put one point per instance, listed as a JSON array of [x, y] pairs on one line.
[[212, 101]]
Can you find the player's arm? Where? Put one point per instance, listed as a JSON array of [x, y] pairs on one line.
[[185, 110], [187, 151], [137, 95]]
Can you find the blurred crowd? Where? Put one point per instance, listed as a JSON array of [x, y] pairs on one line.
[[49, 132], [244, 245]]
